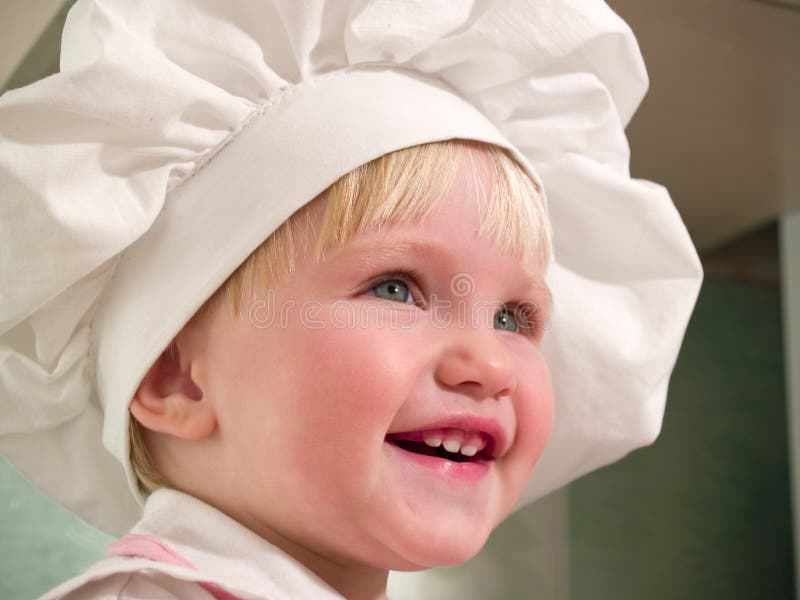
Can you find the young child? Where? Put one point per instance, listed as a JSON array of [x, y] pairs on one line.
[[291, 266]]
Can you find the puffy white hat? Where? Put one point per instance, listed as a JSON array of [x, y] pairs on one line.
[[178, 135]]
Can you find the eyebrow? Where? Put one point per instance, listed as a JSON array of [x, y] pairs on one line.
[[540, 285], [388, 250]]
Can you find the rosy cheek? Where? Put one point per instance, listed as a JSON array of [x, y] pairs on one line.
[[536, 411], [355, 375]]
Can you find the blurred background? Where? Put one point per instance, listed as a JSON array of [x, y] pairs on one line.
[[709, 510]]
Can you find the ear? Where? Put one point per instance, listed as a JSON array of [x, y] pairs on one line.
[[168, 399]]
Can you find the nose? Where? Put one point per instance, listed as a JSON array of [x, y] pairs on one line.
[[479, 364]]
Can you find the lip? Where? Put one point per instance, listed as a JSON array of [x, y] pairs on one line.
[[467, 472], [468, 422]]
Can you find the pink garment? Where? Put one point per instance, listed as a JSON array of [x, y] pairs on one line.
[[147, 546]]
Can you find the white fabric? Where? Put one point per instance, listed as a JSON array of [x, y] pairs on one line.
[[173, 122], [223, 552]]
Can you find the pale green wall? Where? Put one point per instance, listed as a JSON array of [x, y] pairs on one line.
[[789, 226], [42, 543], [703, 513]]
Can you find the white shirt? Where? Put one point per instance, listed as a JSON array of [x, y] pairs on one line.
[[222, 551]]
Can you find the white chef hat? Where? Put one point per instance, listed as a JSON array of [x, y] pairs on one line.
[[178, 135]]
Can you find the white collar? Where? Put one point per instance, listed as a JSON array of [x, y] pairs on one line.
[[221, 547]]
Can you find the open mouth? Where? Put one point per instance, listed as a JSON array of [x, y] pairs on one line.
[[439, 452]]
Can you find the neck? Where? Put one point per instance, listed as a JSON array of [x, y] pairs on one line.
[[353, 584], [353, 581]]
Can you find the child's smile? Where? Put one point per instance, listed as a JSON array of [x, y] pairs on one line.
[[393, 410], [455, 453]]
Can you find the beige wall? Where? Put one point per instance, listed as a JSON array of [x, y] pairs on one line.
[[21, 23], [720, 126]]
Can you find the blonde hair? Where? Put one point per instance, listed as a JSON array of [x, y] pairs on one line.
[[398, 187]]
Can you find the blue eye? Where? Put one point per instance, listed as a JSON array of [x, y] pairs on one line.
[[396, 287], [517, 319], [393, 289], [505, 319]]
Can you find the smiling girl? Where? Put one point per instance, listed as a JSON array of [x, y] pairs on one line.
[[293, 270], [295, 430]]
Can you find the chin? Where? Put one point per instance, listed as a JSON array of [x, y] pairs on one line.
[[422, 552], [433, 560]]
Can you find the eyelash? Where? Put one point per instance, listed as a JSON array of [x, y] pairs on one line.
[[409, 278]]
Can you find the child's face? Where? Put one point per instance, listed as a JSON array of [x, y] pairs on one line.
[[305, 404]]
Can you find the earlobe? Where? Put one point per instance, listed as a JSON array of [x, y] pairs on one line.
[[169, 401]]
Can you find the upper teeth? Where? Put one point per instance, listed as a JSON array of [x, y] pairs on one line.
[[468, 443]]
